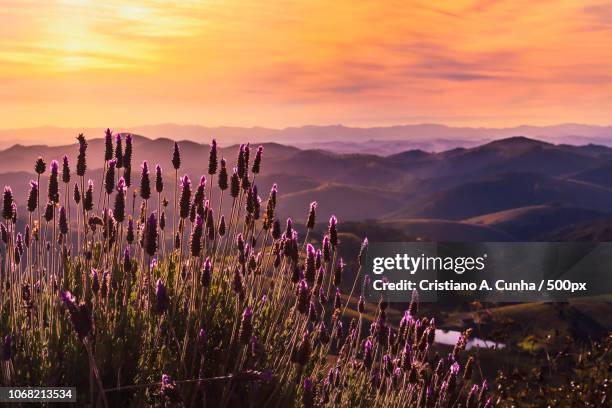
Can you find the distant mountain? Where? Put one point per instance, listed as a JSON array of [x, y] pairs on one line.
[[505, 155], [339, 138]]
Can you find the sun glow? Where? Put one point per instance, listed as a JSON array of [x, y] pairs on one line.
[[288, 62]]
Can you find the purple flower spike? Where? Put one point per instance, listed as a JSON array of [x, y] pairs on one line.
[[308, 395], [333, 231], [151, 235], [246, 326], [161, 298]]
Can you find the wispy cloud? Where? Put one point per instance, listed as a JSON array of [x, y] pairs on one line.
[[287, 62]]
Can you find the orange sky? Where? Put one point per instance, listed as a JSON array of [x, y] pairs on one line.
[[282, 63]]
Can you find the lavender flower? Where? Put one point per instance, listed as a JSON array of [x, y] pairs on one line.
[[289, 229], [65, 170], [108, 145], [304, 349], [222, 226], [212, 158], [247, 154], [270, 207], [362, 252], [303, 297], [82, 157], [19, 243], [196, 237], [257, 162], [210, 224], [159, 181], [206, 273], [313, 315], [318, 286], [80, 316], [246, 326], [311, 215], [150, 242], [483, 392], [338, 272], [95, 281], [145, 182], [129, 236], [276, 229], [109, 177], [77, 194], [333, 231], [33, 196], [27, 235], [88, 199], [127, 159], [472, 398], [127, 261], [237, 282], [161, 298], [169, 391], [337, 300], [49, 210], [241, 163], [162, 221], [40, 166], [367, 354], [223, 176], [198, 197], [177, 240], [361, 305], [245, 182], [119, 209], [185, 198], [250, 201], [235, 184], [406, 357], [326, 249], [176, 157], [118, 151], [308, 394], [309, 273], [7, 207], [63, 221]]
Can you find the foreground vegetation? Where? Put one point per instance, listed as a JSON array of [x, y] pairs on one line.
[[141, 296]]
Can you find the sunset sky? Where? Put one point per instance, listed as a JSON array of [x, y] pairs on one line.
[[282, 63]]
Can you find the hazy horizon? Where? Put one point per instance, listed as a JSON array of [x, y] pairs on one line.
[[306, 124], [338, 138]]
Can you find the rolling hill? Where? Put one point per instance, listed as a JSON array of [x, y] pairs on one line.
[[527, 223], [504, 192]]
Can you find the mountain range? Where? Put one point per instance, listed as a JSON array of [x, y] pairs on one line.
[[338, 138], [515, 188]]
